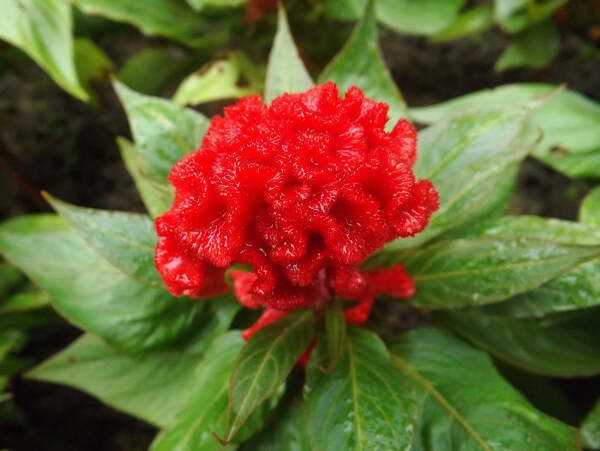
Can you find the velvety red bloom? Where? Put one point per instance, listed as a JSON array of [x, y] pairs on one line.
[[303, 191]]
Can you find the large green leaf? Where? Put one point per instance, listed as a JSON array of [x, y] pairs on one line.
[[574, 289], [364, 403], [590, 429], [570, 123], [92, 293], [264, 363], [127, 240], [563, 345], [285, 71], [163, 132], [590, 208], [152, 386], [42, 29], [471, 159], [360, 64], [205, 409], [157, 195], [167, 18], [334, 335], [460, 273], [465, 404]]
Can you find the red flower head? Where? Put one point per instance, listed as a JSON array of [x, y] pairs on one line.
[[302, 190]]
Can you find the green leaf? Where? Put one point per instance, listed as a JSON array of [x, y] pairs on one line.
[[152, 386], [471, 159], [590, 208], [561, 345], [285, 71], [460, 273], [92, 65], [264, 363], [219, 80], [200, 4], [126, 240], [158, 61], [364, 403], [205, 410], [534, 47], [157, 195], [361, 64], [42, 29], [335, 334], [163, 132], [344, 9], [287, 432], [570, 123], [91, 292], [24, 302], [11, 279], [517, 15], [465, 404], [504, 9], [475, 20], [574, 289], [590, 429], [166, 18]]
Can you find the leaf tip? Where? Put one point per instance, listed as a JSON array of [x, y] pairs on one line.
[[220, 440]]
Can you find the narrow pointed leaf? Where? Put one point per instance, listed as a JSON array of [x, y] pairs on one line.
[[361, 64], [127, 240], [335, 333], [465, 404], [364, 403], [590, 429], [285, 71], [264, 363], [157, 195], [205, 408], [562, 345], [535, 47], [590, 208], [163, 132], [43, 30], [153, 386], [92, 293]]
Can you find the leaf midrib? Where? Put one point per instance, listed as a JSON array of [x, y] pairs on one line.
[[429, 388]]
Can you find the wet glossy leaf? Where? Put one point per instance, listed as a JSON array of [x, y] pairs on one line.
[[42, 29], [127, 240], [574, 289], [205, 409], [471, 159], [167, 18], [563, 345], [91, 292], [156, 195], [465, 404], [264, 363], [364, 403], [152, 386], [534, 47], [590, 208], [460, 273], [285, 71], [361, 64], [163, 132], [570, 123], [590, 429]]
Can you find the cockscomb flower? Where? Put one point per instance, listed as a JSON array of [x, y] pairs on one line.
[[302, 191]]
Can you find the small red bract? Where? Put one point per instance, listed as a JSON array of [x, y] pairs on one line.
[[303, 191]]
